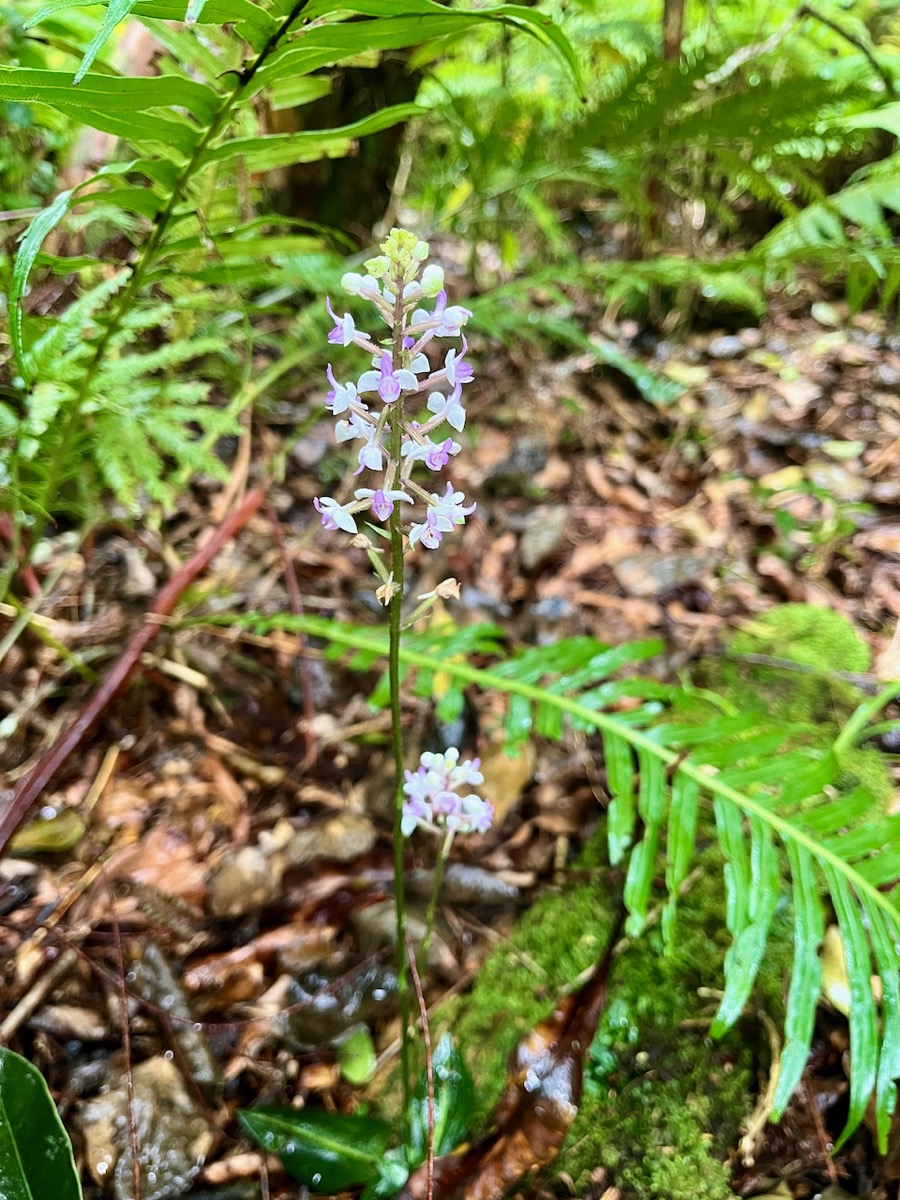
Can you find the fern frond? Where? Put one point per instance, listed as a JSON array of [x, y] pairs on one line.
[[844, 851]]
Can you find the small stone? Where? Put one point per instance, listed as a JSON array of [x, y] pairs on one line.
[[376, 926], [543, 534], [139, 579], [173, 1136], [885, 375], [751, 337], [652, 574], [464, 884], [726, 346], [243, 882], [341, 838]]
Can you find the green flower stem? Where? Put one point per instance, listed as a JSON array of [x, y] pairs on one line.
[[369, 641], [443, 855], [396, 618]]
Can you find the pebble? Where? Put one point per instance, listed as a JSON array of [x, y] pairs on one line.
[[840, 483], [243, 882], [173, 1135], [342, 838], [514, 475], [727, 346], [652, 574], [543, 534]]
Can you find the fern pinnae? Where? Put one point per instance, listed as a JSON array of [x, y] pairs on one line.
[[863, 1017], [681, 836], [806, 974], [854, 886]]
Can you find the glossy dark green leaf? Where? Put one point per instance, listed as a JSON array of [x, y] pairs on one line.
[[108, 94], [36, 1160], [268, 151], [454, 1103], [325, 1151]]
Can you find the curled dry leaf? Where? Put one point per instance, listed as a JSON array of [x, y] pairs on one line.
[[535, 1112]]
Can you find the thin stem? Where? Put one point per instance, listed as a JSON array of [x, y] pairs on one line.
[[396, 619], [443, 855]]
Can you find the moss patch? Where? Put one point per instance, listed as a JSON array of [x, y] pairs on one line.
[[816, 638], [662, 1103]]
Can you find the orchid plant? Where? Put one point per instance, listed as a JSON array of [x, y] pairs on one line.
[[385, 412]]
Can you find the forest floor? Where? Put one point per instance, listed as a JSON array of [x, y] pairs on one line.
[[214, 859]]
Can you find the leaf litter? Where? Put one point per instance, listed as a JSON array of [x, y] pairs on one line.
[[245, 891]]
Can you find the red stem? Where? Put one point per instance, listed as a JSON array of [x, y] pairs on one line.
[[32, 784]]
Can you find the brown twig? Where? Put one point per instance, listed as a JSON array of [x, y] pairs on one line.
[[429, 1061], [126, 1051], [31, 785]]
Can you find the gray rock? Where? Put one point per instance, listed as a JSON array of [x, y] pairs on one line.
[[173, 1135], [341, 838], [840, 483], [543, 534], [726, 346], [652, 574], [514, 475], [243, 882]]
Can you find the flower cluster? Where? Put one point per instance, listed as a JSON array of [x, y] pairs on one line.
[[374, 408], [432, 801]]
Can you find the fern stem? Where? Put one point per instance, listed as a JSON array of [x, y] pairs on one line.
[[863, 715], [372, 643], [161, 223], [396, 620]]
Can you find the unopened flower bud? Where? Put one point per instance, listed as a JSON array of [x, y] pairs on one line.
[[420, 251], [352, 283], [432, 280], [379, 266]]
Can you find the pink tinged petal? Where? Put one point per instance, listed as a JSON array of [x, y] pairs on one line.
[[382, 505], [334, 515]]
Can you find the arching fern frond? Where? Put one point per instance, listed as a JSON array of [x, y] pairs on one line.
[[768, 788]]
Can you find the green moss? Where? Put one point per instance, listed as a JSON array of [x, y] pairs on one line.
[[662, 1103], [817, 638], [557, 938]]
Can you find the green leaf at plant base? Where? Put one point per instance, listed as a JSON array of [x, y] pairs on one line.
[[325, 1151], [36, 1160], [454, 1102]]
